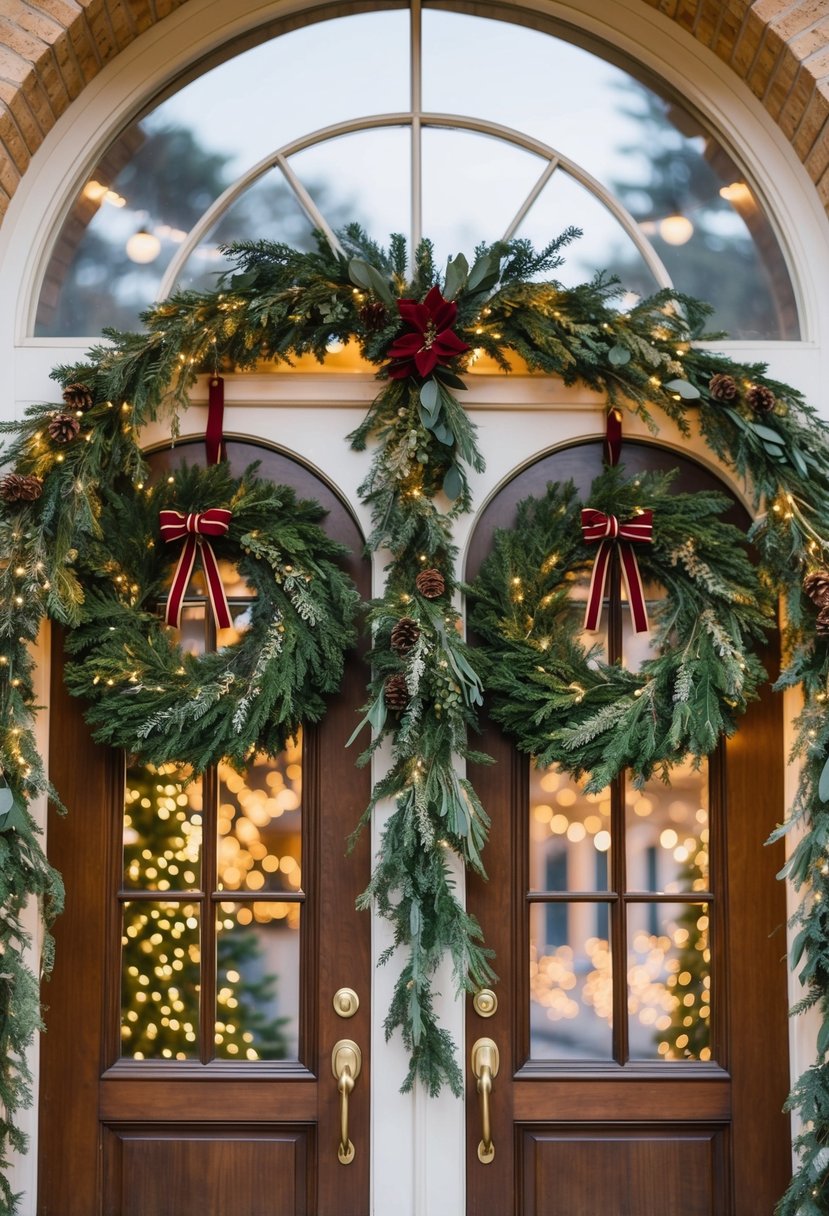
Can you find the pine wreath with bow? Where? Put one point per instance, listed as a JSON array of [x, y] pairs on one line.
[[557, 695]]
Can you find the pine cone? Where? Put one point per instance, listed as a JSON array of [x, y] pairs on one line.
[[430, 583], [822, 622], [78, 397], [64, 427], [761, 399], [404, 635], [373, 316], [395, 692], [816, 586], [723, 387], [18, 487]]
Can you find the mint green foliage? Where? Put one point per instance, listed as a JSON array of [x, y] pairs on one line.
[[144, 693], [279, 303], [563, 704]]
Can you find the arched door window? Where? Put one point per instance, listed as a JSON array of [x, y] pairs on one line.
[[429, 122]]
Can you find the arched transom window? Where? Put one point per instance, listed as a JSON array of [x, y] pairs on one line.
[[438, 123]]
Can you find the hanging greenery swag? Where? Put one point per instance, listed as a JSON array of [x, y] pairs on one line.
[[422, 330]]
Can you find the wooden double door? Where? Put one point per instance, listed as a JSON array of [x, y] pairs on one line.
[[191, 1020], [640, 937]]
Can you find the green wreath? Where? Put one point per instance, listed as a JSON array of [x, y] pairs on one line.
[[560, 701], [144, 692]]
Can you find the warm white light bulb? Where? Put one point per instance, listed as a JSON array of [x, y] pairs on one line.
[[143, 246], [676, 229]]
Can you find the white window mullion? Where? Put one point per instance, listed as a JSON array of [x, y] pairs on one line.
[[417, 109], [521, 214]]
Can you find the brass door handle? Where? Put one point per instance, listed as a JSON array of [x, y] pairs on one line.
[[485, 1064], [346, 1061]]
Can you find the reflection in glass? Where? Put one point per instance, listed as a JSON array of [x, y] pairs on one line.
[[366, 173], [672, 175], [637, 647], [268, 208], [257, 997], [460, 169], [163, 172], [564, 201], [160, 969], [571, 983], [669, 981], [162, 828], [667, 832], [569, 834], [196, 614], [260, 816]]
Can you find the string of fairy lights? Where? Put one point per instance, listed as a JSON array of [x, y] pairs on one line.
[[258, 849], [668, 968]]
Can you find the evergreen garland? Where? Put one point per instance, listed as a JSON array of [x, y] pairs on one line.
[[279, 303], [563, 705], [148, 696]]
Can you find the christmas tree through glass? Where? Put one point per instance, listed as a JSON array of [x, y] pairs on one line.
[[211, 912]]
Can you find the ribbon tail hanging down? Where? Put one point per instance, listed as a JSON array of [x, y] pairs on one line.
[[608, 531], [214, 440], [195, 530]]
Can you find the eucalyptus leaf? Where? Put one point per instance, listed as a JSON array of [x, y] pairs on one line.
[[485, 273], [428, 421], [452, 482], [823, 1039], [823, 784], [775, 450], [457, 273], [430, 398], [798, 461], [239, 282], [685, 389], [736, 418], [14, 818], [449, 378], [364, 275], [766, 432], [618, 355], [442, 432]]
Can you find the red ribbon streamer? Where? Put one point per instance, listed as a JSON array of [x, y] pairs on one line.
[[194, 529], [606, 529], [613, 439], [213, 438]]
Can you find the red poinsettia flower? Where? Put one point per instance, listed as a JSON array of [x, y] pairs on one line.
[[431, 339]]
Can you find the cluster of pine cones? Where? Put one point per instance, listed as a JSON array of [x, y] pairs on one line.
[[723, 387], [431, 585]]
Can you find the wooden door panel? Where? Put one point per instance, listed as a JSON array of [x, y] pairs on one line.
[[650, 1098], [646, 1171], [121, 1135], [220, 1171], [660, 1137]]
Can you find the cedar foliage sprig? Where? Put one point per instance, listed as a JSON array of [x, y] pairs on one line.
[[279, 303]]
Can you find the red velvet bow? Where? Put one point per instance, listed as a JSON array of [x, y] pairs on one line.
[[196, 527], [606, 529]]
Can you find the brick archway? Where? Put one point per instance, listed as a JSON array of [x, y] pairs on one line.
[[50, 49]]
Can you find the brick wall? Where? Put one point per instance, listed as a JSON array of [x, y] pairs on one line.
[[49, 49]]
